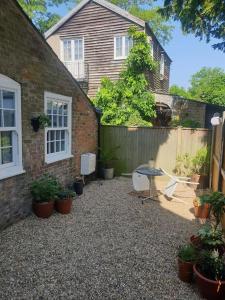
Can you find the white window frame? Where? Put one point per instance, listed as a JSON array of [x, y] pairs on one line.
[[16, 167], [57, 156], [123, 56], [72, 40], [162, 66]]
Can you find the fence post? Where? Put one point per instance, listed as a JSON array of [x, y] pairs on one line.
[[179, 140]]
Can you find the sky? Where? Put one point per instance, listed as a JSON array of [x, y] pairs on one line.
[[188, 54]]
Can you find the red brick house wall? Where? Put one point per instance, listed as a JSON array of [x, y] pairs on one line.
[[26, 58]]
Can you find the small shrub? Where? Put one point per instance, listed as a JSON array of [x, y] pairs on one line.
[[188, 253]]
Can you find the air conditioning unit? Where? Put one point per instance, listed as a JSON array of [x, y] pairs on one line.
[[88, 163]]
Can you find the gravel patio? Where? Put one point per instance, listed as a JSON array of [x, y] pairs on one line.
[[110, 247]]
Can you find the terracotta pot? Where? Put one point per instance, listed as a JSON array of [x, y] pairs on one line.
[[209, 289], [202, 211], [185, 270], [64, 206], [195, 178], [43, 209]]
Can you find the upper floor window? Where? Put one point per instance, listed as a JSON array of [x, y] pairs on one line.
[[122, 46], [72, 50], [162, 66], [10, 128], [58, 134]]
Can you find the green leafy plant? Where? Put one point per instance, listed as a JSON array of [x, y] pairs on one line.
[[188, 253], [128, 101], [201, 161], [217, 200], [44, 121], [65, 194], [211, 236], [211, 265], [108, 156], [202, 199], [183, 165], [45, 189]]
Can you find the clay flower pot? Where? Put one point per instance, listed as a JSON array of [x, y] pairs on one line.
[[209, 289], [201, 211], [43, 209], [185, 270], [63, 206]]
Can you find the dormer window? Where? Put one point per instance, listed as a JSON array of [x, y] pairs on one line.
[[162, 66], [122, 46]]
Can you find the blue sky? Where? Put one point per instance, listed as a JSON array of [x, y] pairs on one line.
[[189, 54]]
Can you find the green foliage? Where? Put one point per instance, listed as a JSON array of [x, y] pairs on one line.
[[211, 265], [183, 165], [108, 156], [217, 201], [38, 12], [208, 85], [44, 121], [128, 100], [201, 161], [180, 91], [203, 199], [188, 123], [188, 253], [211, 236], [45, 189], [186, 164], [65, 194], [205, 19]]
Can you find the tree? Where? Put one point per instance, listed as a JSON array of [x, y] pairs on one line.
[[208, 85], [128, 100], [38, 11], [205, 19], [180, 91], [145, 10]]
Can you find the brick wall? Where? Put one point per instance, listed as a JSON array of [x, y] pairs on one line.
[[27, 59], [185, 109]]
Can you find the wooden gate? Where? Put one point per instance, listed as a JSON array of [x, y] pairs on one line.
[[218, 157]]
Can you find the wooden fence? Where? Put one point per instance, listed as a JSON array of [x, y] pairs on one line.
[[137, 145], [218, 157]]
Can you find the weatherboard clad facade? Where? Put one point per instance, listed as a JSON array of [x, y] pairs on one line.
[[98, 26]]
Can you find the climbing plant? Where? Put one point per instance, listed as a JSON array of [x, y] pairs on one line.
[[128, 101]]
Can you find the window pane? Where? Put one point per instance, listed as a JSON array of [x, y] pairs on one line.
[[54, 121], [6, 154], [62, 145], [8, 100], [67, 50], [78, 49], [57, 146], [65, 122], [65, 109], [1, 118], [52, 147], [6, 139], [58, 135], [55, 108], [49, 108], [119, 50], [60, 121], [62, 134], [52, 135], [60, 108], [48, 148], [128, 45], [9, 118]]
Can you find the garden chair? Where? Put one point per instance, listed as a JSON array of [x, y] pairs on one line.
[[140, 182], [173, 183]]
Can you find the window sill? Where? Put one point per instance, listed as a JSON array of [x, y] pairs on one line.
[[11, 173], [120, 58], [49, 160]]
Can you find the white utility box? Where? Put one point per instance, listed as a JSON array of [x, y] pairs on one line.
[[88, 163]]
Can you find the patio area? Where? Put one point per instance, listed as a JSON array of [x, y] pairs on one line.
[[110, 247]]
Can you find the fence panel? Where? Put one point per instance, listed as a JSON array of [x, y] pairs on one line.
[[140, 144]]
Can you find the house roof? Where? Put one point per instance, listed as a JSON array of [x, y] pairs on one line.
[[104, 3], [40, 36]]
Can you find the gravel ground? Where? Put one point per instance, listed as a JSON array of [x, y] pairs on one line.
[[110, 247]]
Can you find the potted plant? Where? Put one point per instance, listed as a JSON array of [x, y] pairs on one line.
[[187, 256], [210, 275], [64, 200], [107, 159], [183, 165], [78, 186], [41, 121], [202, 206], [44, 192], [200, 167]]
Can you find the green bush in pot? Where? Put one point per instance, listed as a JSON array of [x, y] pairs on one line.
[[187, 256], [44, 192], [108, 158], [63, 203]]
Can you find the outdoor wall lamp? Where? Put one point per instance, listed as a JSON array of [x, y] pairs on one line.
[[216, 120]]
